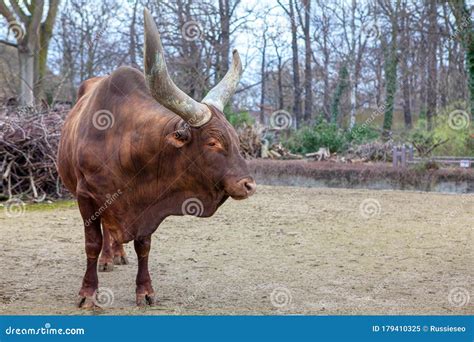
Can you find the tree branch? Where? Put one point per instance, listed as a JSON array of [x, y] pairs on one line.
[[8, 43]]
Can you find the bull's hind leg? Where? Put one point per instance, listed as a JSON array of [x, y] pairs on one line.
[[120, 257], [93, 242], [106, 260], [145, 293], [112, 252]]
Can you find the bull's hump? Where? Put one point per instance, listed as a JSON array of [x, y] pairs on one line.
[[126, 80]]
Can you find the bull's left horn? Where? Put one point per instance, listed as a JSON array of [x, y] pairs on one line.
[[160, 83], [223, 91]]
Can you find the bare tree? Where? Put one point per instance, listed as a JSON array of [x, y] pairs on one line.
[[290, 11], [32, 41]]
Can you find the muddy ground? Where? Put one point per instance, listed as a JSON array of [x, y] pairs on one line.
[[284, 251]]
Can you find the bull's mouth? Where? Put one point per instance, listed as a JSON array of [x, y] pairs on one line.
[[239, 197]]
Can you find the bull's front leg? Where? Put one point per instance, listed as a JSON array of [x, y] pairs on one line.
[[144, 291], [93, 245]]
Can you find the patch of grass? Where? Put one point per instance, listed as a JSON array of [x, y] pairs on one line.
[[62, 204]]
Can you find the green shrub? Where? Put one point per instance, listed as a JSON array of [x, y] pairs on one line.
[[239, 119], [361, 134], [323, 134], [456, 134], [311, 138]]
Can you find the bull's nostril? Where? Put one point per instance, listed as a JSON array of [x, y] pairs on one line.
[[248, 186]]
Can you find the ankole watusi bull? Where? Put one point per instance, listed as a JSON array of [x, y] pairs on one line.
[[136, 149]]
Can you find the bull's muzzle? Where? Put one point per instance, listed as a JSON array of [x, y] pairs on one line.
[[245, 188]]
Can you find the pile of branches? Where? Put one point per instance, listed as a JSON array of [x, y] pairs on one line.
[[278, 151], [374, 151], [28, 145], [250, 137]]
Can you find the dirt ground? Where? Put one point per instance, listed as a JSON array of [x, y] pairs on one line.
[[286, 250]]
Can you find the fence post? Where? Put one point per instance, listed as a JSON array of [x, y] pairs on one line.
[[404, 156], [394, 157], [410, 153]]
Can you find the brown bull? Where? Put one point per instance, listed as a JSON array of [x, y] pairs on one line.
[[136, 149]]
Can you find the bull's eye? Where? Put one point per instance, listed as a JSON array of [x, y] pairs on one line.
[[214, 144]]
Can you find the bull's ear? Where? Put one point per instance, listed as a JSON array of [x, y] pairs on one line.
[[178, 138]]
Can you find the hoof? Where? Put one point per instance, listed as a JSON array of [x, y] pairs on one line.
[[120, 260], [87, 303], [106, 267], [144, 300]]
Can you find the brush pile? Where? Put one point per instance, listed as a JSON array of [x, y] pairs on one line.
[[250, 141], [372, 152], [28, 145]]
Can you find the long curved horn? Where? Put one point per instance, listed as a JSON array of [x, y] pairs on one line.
[[223, 91], [160, 83]]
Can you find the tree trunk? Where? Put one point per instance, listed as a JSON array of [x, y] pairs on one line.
[[405, 46], [431, 92], [27, 67], [263, 77], [296, 66], [391, 63], [354, 80], [326, 59], [281, 98], [342, 84], [224, 14], [465, 31], [308, 77]]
